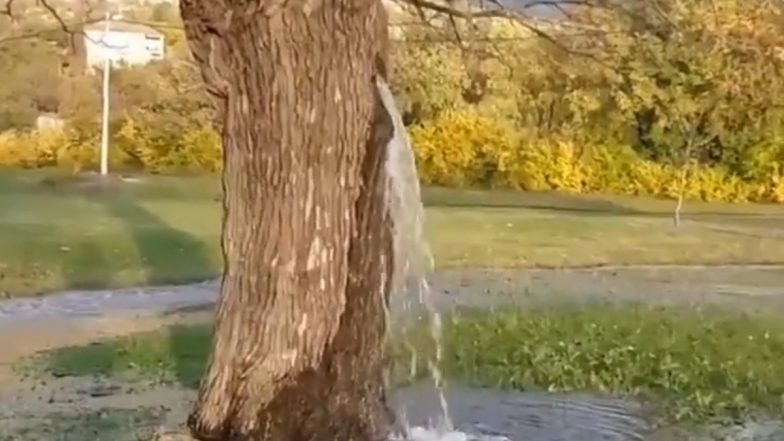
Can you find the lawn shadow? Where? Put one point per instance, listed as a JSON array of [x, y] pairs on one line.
[[86, 255], [587, 204], [167, 254], [177, 354], [564, 202], [190, 348], [170, 256], [107, 238], [768, 234]]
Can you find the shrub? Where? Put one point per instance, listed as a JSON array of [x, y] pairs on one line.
[[465, 148], [131, 140], [32, 149], [46, 145], [775, 188], [15, 150], [546, 165], [461, 147], [163, 149], [80, 153], [198, 150]]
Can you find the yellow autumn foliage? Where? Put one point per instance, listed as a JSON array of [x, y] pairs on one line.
[[196, 150], [464, 148], [31, 149], [461, 147]]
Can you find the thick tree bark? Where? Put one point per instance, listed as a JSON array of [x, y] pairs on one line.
[[300, 325]]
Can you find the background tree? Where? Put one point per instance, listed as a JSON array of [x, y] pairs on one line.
[[29, 82], [28, 76]]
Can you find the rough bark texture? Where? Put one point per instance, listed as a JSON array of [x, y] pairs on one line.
[[300, 324]]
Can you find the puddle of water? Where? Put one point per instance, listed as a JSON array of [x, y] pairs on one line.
[[69, 409], [82, 408], [489, 415], [429, 434]]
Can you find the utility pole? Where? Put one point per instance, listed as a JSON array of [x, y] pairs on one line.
[[107, 66]]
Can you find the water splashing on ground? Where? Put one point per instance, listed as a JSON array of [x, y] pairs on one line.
[[411, 299]]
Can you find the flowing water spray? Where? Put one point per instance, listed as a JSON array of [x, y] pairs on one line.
[[413, 260], [411, 303]]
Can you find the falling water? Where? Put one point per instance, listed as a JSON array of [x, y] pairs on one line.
[[412, 300], [412, 257]]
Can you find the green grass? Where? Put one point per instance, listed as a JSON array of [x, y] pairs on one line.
[[695, 365], [59, 233], [173, 355]]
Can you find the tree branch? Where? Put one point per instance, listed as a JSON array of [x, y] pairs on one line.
[[53, 12], [503, 12], [8, 9], [454, 12], [555, 4], [39, 33]]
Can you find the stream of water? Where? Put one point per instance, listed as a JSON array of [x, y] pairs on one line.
[[412, 298], [488, 416], [483, 415]]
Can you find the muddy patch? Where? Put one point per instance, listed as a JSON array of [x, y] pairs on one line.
[[79, 409], [748, 287]]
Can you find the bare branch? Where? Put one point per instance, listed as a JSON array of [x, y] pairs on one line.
[[8, 9], [501, 11], [73, 28], [62, 25], [453, 12], [36, 34], [456, 31], [53, 12], [559, 5], [563, 11]]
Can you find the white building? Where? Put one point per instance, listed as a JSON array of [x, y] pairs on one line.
[[125, 43], [48, 121]]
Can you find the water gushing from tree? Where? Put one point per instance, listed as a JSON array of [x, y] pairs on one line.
[[411, 297]]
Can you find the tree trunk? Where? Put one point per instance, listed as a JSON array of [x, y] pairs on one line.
[[298, 352], [681, 190]]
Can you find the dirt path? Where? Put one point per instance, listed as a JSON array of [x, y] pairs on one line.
[[80, 317]]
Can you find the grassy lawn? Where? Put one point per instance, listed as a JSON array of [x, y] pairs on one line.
[[59, 233], [696, 365]]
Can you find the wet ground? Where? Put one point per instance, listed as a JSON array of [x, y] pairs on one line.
[[80, 409], [755, 287]]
